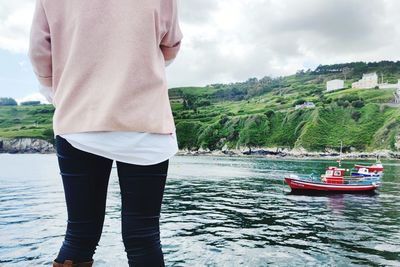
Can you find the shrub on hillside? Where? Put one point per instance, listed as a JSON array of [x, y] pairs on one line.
[[356, 115], [298, 102], [223, 119], [49, 135], [269, 113], [202, 103], [358, 104]]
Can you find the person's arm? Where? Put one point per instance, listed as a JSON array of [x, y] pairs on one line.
[[40, 46], [171, 42]]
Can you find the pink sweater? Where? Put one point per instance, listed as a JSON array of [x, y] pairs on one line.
[[105, 61]]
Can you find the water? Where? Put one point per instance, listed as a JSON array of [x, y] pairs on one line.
[[217, 211]]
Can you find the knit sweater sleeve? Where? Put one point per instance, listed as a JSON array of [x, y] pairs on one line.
[[170, 43], [39, 51]]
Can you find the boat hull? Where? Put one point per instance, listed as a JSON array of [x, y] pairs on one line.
[[301, 185], [357, 174]]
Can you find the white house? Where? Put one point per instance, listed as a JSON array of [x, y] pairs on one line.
[[334, 85], [305, 105], [390, 85], [397, 94], [369, 80]]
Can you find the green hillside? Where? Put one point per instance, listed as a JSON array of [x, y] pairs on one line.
[[27, 121], [261, 112]]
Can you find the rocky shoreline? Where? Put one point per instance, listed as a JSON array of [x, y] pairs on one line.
[[34, 145], [25, 145], [295, 154]]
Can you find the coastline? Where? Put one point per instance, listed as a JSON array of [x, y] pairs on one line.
[[40, 146], [295, 154]]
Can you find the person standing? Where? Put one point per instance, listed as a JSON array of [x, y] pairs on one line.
[[102, 65]]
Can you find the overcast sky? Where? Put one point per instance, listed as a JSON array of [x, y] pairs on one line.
[[233, 40]]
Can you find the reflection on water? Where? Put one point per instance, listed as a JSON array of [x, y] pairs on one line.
[[217, 211]]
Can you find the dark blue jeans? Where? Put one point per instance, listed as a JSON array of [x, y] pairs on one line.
[[85, 179]]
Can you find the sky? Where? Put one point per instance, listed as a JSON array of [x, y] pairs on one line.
[[233, 40]]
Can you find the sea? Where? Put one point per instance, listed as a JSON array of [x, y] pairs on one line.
[[216, 211]]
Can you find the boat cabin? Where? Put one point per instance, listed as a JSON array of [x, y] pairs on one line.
[[374, 168], [333, 175]]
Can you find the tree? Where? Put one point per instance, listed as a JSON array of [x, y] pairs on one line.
[[187, 133], [8, 101], [346, 71], [210, 136], [188, 101], [30, 103]]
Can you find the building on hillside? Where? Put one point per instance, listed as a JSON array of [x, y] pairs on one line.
[[333, 85], [388, 86], [397, 94], [369, 80], [305, 105]]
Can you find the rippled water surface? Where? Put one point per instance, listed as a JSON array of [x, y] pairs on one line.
[[217, 211]]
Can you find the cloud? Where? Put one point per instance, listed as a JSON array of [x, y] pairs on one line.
[[36, 96], [241, 39], [197, 11], [232, 40], [15, 19]]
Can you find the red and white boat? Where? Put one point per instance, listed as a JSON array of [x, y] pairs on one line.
[[374, 168], [333, 181]]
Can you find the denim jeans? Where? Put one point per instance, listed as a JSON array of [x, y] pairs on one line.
[[85, 179]]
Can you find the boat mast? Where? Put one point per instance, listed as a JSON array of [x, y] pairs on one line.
[[340, 157]]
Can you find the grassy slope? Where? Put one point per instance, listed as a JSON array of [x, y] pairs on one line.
[[26, 121], [317, 129]]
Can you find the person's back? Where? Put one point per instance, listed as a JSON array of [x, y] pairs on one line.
[[105, 63]]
